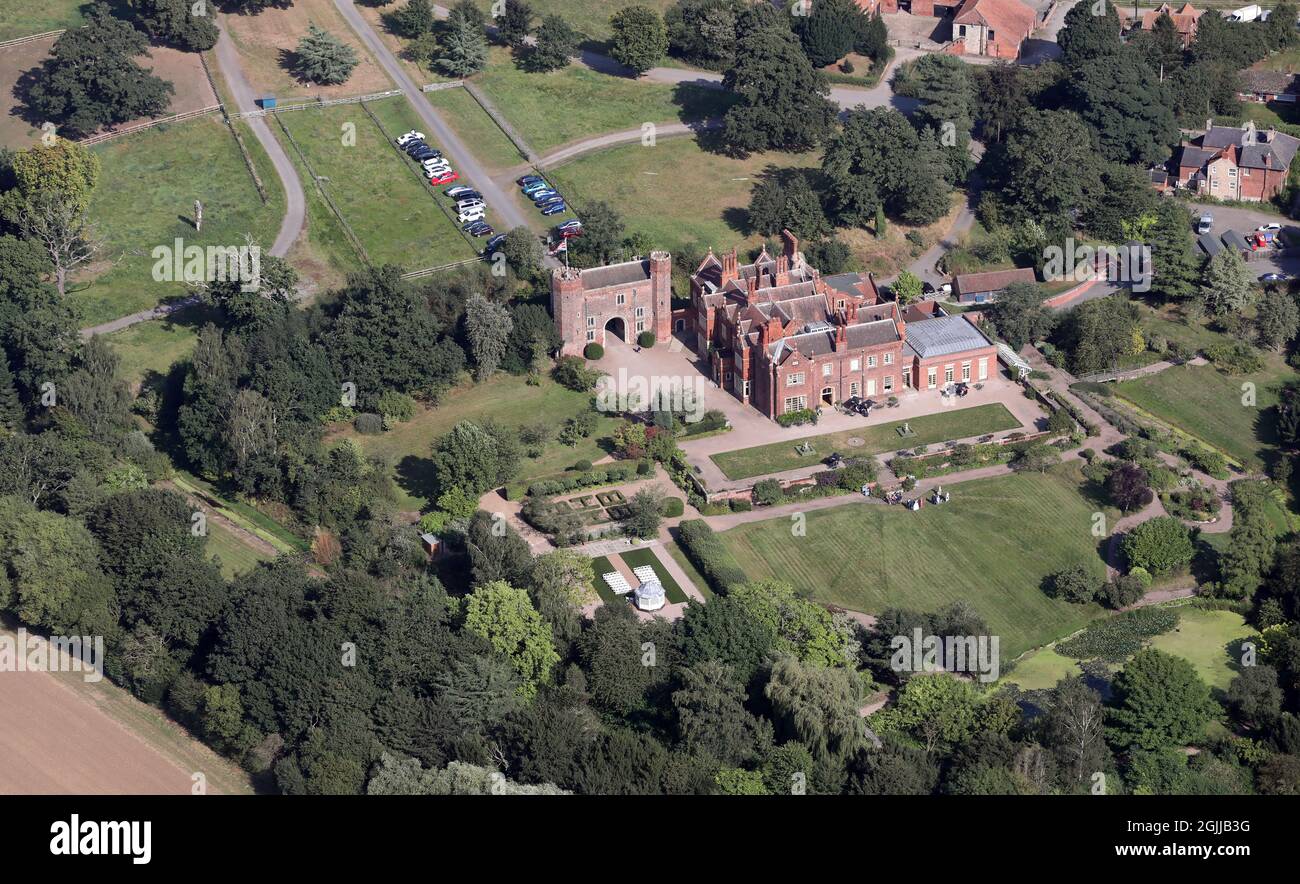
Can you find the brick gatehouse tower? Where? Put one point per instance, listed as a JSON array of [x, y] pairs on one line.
[[626, 299]]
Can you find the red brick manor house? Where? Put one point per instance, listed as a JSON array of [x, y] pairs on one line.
[[775, 333], [781, 337]]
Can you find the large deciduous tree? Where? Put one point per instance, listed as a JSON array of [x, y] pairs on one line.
[[640, 38], [506, 617], [1158, 702], [782, 100]]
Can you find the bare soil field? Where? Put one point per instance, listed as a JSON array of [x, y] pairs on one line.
[[66, 736], [266, 43], [184, 70]]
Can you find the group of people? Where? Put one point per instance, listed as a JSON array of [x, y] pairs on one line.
[[896, 496]]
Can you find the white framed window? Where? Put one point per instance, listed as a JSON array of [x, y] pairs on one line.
[[795, 403], [620, 298], [854, 388], [640, 326], [745, 389], [889, 383], [827, 368], [871, 362], [965, 371], [794, 380], [591, 335], [640, 311], [947, 374], [591, 322], [984, 369], [889, 359], [871, 386], [855, 365], [907, 377], [932, 378]]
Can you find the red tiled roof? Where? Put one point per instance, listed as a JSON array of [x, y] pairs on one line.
[[1003, 16]]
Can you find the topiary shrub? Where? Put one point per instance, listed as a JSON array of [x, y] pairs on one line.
[[673, 507], [582, 466], [643, 467], [593, 351], [369, 424], [646, 339]]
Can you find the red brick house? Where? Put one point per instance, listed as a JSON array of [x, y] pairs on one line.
[[1266, 86], [994, 28], [781, 337], [1185, 20], [1235, 163], [978, 288], [627, 298]]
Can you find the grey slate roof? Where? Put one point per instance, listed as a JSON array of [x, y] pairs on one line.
[[1278, 153], [1210, 243], [615, 274], [870, 334], [948, 334]]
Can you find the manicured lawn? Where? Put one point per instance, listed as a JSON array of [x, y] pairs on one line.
[[600, 566], [991, 546], [655, 181], [22, 18], [575, 102], [235, 556], [1207, 404], [503, 398], [1207, 639], [392, 212], [145, 199], [468, 119], [688, 566], [779, 456], [1041, 670], [672, 589]]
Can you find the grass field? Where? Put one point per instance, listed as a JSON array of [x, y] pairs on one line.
[[503, 398], [22, 18], [1208, 640], [672, 589], [779, 456], [601, 565], [1207, 403], [266, 43], [591, 17], [145, 198], [391, 210], [655, 180], [991, 546], [575, 102], [235, 555], [155, 346], [467, 119]]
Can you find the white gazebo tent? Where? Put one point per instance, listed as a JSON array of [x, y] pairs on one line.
[[649, 596]]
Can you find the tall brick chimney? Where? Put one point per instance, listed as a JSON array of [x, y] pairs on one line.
[[790, 248], [730, 267], [782, 275]]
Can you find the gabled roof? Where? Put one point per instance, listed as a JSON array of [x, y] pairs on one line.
[[1005, 16], [1269, 82], [1260, 148], [945, 335], [992, 280]]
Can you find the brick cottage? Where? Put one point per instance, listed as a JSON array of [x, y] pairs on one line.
[[1235, 163]]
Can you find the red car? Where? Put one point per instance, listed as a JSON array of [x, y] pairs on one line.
[[444, 178]]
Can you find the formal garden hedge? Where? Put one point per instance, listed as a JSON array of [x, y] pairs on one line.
[[709, 555]]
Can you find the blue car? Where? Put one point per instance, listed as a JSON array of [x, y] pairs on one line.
[[554, 208], [528, 179], [536, 186], [494, 242], [544, 195]]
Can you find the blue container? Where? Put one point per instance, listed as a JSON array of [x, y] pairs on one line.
[[266, 103]]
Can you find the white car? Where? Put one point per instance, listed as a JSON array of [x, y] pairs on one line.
[[471, 215], [403, 140], [436, 165], [464, 205], [1271, 226]]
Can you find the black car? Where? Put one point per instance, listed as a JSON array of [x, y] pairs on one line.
[[414, 146], [835, 461]]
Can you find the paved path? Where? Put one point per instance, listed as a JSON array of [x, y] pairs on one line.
[[295, 209], [501, 202], [161, 311]]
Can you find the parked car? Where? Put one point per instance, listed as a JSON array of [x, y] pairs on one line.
[[414, 147], [462, 205], [554, 208], [494, 243], [1273, 277], [527, 180], [568, 232], [1270, 227], [533, 188], [462, 192], [436, 164], [481, 229], [403, 140], [444, 178], [471, 215], [569, 226], [541, 196], [1205, 223]]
